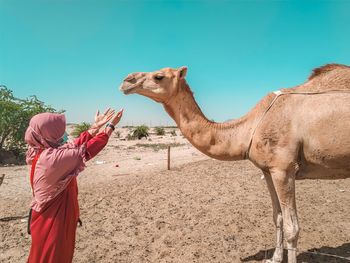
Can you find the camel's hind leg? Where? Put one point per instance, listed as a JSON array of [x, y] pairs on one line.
[[277, 219], [284, 183]]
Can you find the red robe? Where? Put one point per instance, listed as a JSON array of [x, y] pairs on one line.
[[53, 229]]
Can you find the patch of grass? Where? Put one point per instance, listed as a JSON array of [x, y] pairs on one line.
[[137, 158], [159, 131], [140, 131], [159, 146], [79, 128]]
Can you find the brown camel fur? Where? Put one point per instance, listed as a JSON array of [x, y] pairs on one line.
[[292, 136]]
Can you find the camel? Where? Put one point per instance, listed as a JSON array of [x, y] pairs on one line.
[[292, 134]]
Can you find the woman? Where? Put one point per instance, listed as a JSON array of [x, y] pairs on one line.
[[54, 168]]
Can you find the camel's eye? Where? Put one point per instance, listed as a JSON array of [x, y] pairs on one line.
[[159, 77]]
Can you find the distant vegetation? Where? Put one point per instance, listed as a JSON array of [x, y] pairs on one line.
[[140, 132], [15, 115], [159, 131], [159, 146], [80, 128]]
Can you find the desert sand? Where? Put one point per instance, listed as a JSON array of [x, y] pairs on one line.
[[203, 210]]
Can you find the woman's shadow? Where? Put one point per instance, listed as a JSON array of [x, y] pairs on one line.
[[339, 254]]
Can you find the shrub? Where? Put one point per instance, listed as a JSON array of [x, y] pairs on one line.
[[173, 133], [15, 115], [130, 137], [79, 128], [140, 131], [159, 131]]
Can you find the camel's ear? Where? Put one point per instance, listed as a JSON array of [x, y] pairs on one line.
[[182, 71]]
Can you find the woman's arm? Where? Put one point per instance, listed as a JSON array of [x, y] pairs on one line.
[[68, 160], [97, 143], [100, 121], [83, 138]]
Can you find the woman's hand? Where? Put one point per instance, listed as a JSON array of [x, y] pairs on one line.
[[114, 121], [117, 117], [100, 121]]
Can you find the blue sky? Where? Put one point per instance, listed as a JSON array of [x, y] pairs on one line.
[[74, 54]]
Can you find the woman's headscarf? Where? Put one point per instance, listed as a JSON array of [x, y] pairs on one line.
[[45, 130]]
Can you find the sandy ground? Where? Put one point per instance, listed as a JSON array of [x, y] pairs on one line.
[[134, 210]]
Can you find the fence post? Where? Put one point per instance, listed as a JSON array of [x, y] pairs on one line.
[[2, 178], [168, 157]]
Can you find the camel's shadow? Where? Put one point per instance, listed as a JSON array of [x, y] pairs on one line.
[[315, 255]]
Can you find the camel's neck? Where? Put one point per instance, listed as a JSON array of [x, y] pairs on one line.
[[223, 141]]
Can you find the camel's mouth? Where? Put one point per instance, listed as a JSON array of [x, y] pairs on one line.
[[131, 85], [129, 88]]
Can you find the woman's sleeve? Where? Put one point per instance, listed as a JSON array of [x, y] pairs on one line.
[[95, 145], [83, 138], [64, 160]]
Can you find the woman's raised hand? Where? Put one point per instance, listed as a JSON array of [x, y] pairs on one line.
[[117, 117], [114, 121], [101, 120]]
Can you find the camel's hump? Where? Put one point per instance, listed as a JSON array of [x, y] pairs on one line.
[[325, 69], [326, 78]]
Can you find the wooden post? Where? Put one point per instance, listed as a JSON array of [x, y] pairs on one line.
[[168, 157], [2, 178]]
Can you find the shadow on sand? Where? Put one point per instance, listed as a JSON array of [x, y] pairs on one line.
[[315, 255], [11, 218]]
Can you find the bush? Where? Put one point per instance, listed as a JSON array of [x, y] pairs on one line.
[[140, 131], [159, 130], [130, 137], [173, 133], [15, 115], [79, 128]]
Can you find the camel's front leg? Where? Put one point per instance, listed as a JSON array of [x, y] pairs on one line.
[[284, 182], [277, 219]]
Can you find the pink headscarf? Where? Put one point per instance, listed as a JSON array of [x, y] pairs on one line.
[[57, 164], [44, 131]]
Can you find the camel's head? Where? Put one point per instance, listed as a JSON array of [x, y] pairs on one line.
[[160, 85]]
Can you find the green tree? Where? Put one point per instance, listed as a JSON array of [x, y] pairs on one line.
[[15, 115]]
